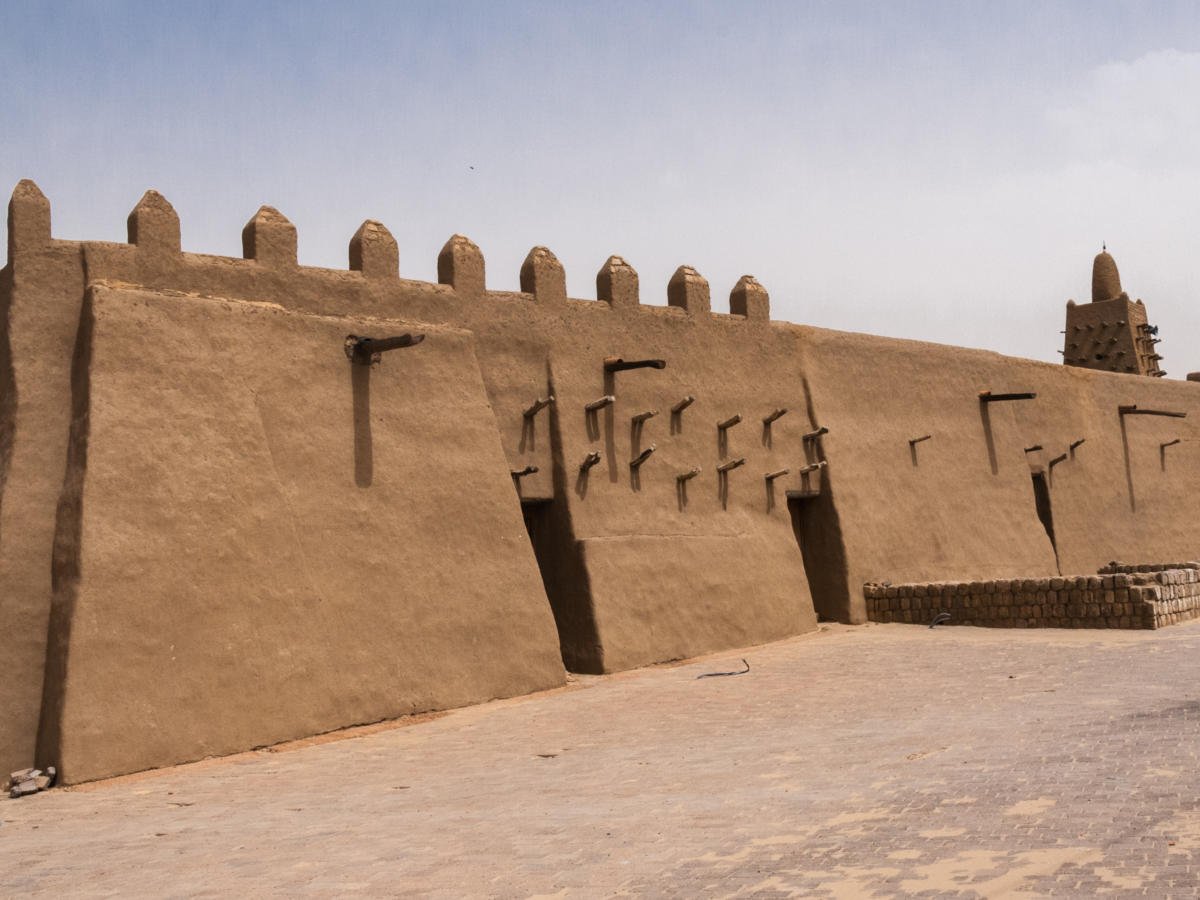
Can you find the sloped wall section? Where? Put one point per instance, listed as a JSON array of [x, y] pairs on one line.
[[270, 543]]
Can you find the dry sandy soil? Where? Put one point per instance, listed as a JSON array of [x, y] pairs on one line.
[[881, 760]]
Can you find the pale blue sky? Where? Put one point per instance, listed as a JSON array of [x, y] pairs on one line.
[[940, 171]]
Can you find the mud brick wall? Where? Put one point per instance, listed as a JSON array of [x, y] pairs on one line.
[[1148, 599], [770, 450], [1174, 594]]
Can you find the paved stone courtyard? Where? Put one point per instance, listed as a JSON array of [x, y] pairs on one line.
[[881, 760]]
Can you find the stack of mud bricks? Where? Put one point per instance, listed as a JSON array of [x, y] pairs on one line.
[[1173, 588], [1112, 599]]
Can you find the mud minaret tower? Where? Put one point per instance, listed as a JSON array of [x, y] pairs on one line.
[[1110, 333]]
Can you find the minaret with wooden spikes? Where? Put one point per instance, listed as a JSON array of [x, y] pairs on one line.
[[1110, 333]]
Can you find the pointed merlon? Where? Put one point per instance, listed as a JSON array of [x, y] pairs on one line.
[[688, 290], [154, 225], [1106, 280], [28, 218], [374, 252], [543, 276], [750, 299], [617, 284], [460, 265], [270, 239]]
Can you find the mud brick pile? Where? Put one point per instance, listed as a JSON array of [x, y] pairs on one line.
[[1119, 568], [29, 781], [1137, 596]]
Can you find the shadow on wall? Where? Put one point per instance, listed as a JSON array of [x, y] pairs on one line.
[[65, 565], [560, 561], [818, 530], [364, 451], [1045, 512], [985, 417], [1128, 464], [8, 387], [819, 534]]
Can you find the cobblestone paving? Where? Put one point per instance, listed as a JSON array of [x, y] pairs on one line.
[[882, 760]]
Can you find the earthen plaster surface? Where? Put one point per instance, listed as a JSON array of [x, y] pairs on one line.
[[243, 357], [274, 543]]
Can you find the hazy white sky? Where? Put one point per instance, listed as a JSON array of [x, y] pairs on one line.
[[937, 171]]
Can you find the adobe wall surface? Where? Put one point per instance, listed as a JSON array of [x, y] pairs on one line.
[[1121, 494], [538, 343], [960, 504], [271, 543], [214, 403], [957, 505]]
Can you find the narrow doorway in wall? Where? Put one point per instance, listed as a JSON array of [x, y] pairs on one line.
[[815, 525], [565, 580], [1041, 498]]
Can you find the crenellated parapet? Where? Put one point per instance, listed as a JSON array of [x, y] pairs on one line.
[[269, 241]]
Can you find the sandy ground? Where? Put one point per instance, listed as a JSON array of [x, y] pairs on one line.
[[884, 760]]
